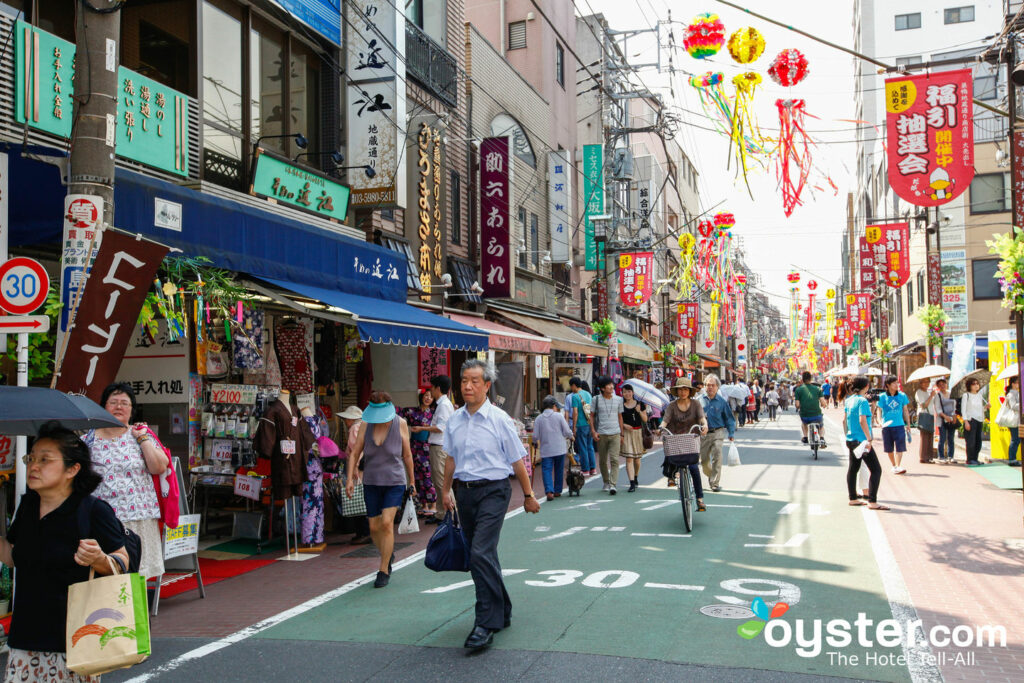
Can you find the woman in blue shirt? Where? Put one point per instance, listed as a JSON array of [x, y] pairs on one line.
[[857, 423], [895, 423]]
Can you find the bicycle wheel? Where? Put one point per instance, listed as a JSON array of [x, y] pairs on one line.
[[815, 440], [686, 497]]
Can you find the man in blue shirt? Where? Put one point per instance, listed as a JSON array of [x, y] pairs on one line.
[[580, 421], [484, 451], [720, 420]]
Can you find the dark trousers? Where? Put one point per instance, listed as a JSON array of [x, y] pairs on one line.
[[771, 411], [482, 512], [947, 432], [871, 462], [757, 411], [973, 438], [741, 415]]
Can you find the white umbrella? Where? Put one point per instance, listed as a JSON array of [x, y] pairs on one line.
[[928, 372], [1008, 372], [734, 391], [645, 393]]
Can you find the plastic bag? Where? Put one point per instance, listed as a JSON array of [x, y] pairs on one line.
[[409, 523], [734, 456], [1007, 417]]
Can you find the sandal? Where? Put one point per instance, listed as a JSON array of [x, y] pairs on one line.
[[878, 507], [701, 507], [854, 503]]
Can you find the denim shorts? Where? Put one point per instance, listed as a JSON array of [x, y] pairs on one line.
[[813, 419], [894, 439], [380, 497]]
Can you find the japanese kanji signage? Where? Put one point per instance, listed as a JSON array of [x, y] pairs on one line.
[[157, 369], [929, 122], [593, 204], [636, 277], [83, 220], [858, 311], [1018, 179], [866, 260], [934, 278], [430, 363], [844, 333], [559, 194], [495, 217], [376, 98], [890, 245], [152, 119], [688, 319], [298, 188], [425, 224], [107, 315]]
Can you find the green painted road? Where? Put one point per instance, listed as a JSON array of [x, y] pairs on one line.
[[618, 575]]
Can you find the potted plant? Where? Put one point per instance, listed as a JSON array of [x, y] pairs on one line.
[[1010, 250], [602, 330], [693, 358], [935, 319]]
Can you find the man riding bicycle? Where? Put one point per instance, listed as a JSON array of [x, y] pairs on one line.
[[809, 401]]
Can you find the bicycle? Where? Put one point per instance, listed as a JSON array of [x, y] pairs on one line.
[[814, 437], [681, 451]]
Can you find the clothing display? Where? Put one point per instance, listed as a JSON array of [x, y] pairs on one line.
[[293, 342], [248, 347], [285, 438], [425, 491], [313, 487]]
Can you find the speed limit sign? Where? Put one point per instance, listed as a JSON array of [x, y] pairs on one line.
[[24, 285]]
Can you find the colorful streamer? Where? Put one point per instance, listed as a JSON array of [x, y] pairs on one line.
[[793, 160]]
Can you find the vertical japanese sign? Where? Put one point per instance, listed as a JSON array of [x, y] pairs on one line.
[[375, 53], [844, 334], [495, 217], [934, 278], [106, 319], [83, 218], [929, 121], [559, 193], [1018, 179], [890, 246], [954, 289], [430, 363], [858, 311], [425, 223], [636, 277], [866, 260], [593, 204], [688, 320]]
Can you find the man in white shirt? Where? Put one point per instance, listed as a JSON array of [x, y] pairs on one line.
[[606, 412], [440, 385]]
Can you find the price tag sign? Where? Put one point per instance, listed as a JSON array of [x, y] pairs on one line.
[[235, 394], [248, 487], [221, 450], [182, 539]]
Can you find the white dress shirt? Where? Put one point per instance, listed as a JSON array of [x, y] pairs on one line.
[[443, 410], [483, 445], [972, 407]]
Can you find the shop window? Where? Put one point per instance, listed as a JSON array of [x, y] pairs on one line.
[[535, 241], [908, 21], [516, 35], [990, 193], [266, 84], [958, 15], [157, 40], [984, 279], [455, 210], [413, 270]]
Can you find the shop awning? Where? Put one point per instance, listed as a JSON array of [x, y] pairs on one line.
[[391, 322], [562, 338], [633, 349], [916, 345], [505, 338]]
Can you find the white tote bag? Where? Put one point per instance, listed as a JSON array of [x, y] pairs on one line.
[[734, 455], [409, 523]]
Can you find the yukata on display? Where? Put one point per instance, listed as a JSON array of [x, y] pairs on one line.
[[417, 417], [313, 487], [294, 342]]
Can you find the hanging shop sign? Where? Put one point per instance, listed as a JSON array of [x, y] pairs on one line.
[[495, 217], [688, 320], [559, 193], [929, 122], [83, 218], [935, 278], [636, 275], [424, 223], [858, 311], [866, 260], [432, 362], [844, 333], [890, 245], [954, 290], [593, 204], [157, 368], [1018, 178], [320, 15], [152, 120], [107, 315], [286, 184], [375, 52]]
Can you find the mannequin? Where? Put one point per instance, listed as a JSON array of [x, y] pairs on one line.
[[286, 439]]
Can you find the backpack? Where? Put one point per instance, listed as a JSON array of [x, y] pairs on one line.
[[132, 542]]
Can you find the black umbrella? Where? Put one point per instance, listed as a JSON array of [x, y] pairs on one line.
[[23, 410]]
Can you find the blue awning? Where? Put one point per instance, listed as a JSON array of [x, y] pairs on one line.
[[391, 322]]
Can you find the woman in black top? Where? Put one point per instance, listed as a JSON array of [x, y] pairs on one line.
[[634, 415], [46, 548]]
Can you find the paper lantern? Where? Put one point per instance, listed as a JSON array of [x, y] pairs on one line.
[[746, 45], [830, 294], [710, 79], [789, 67], [704, 36], [705, 228]]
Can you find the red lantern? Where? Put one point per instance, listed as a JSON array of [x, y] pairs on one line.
[[706, 228], [789, 67], [679, 372]]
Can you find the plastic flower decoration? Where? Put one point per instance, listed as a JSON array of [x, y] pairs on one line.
[[789, 67], [746, 45], [704, 36]]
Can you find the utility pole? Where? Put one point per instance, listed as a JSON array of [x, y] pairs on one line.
[[1016, 139]]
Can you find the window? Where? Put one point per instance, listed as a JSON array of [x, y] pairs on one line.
[[985, 87], [560, 65], [984, 279], [535, 241], [516, 35], [522, 237], [908, 21], [990, 193], [958, 15], [158, 48], [266, 83], [907, 61], [920, 287], [504, 125], [412, 273], [465, 275], [222, 96], [910, 297], [455, 208]]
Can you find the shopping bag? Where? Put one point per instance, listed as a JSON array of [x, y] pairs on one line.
[[356, 505], [734, 456], [1007, 416], [409, 524], [107, 623], [447, 549]]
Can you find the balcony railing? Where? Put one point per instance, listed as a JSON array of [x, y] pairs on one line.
[[990, 128], [431, 65]]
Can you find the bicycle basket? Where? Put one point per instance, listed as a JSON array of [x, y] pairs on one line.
[[681, 444]]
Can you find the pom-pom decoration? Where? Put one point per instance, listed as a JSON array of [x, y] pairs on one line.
[[746, 45], [724, 220], [710, 79], [686, 242], [704, 36], [789, 67], [812, 285], [793, 277]]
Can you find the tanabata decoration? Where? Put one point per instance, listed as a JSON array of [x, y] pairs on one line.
[[793, 159], [746, 45], [745, 137], [789, 67], [793, 276], [704, 36], [714, 100]]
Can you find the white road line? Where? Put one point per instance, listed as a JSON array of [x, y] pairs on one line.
[[795, 542], [598, 528], [561, 534], [637, 533], [616, 528], [674, 586], [543, 528], [760, 536], [467, 584], [713, 505], [918, 654]]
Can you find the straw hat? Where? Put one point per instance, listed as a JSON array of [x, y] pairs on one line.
[[681, 383], [351, 413]]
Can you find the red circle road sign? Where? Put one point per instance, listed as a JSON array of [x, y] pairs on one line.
[[24, 285]]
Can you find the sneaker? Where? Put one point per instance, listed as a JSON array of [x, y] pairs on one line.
[[895, 470], [606, 486], [671, 483], [803, 440], [611, 490]]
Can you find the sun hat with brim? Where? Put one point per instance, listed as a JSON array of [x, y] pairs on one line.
[[682, 383], [379, 413], [351, 413]]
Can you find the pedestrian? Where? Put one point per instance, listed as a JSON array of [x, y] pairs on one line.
[[742, 396], [924, 397], [826, 391], [895, 423], [1013, 401], [353, 417], [634, 416], [771, 397], [581, 422], [857, 424], [758, 393], [419, 419], [752, 407], [44, 543], [383, 442], [945, 412], [720, 421], [810, 402], [484, 451], [606, 409], [972, 409], [550, 431], [681, 416], [784, 396], [126, 458], [440, 387]]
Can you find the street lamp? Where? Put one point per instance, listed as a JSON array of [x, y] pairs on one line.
[[446, 283], [369, 170], [300, 141], [337, 157]]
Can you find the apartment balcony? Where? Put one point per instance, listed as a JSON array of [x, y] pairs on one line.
[[431, 65], [990, 129]]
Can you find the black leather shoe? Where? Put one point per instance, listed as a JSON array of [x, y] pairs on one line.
[[479, 638], [381, 580]]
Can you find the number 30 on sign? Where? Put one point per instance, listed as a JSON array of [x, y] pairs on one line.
[[24, 285]]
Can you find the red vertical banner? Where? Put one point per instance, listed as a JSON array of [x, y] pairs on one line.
[[495, 217], [688, 320], [636, 277], [858, 311], [890, 249], [866, 260], [929, 125], [934, 278], [840, 335], [432, 362]]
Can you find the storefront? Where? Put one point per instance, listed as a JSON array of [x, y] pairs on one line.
[[635, 356]]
